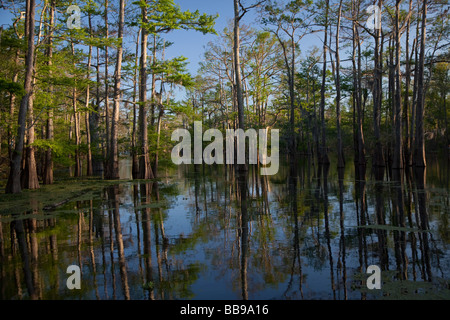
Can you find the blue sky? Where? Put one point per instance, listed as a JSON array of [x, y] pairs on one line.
[[187, 43], [190, 44]]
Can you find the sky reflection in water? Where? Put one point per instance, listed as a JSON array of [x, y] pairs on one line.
[[205, 233]]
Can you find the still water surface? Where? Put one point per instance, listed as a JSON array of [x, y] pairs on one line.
[[202, 232]]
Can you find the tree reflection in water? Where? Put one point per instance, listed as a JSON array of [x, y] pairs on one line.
[[211, 232]]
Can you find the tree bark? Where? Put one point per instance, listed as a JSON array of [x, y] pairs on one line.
[[158, 136], [323, 147], [134, 156], [68, 120], [89, 166], [13, 184], [356, 60], [238, 76], [114, 150], [12, 102], [30, 178], [77, 131], [398, 114], [391, 99], [94, 118], [407, 142], [77, 172], [341, 161], [291, 78], [419, 152], [107, 116], [414, 99], [145, 170], [48, 167], [378, 156], [237, 66]]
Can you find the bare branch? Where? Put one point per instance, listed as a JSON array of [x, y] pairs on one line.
[[246, 9]]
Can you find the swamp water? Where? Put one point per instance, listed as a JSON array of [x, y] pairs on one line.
[[202, 232]]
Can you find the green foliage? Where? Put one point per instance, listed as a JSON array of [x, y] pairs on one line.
[[60, 149], [11, 87], [173, 71], [165, 16]]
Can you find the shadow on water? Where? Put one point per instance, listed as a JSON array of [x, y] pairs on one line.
[[211, 232]]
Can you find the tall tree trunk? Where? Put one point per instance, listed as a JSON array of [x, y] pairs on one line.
[[355, 131], [114, 150], [391, 96], [76, 130], [158, 136], [447, 137], [94, 119], [30, 177], [291, 78], [361, 143], [12, 103], [153, 88], [76, 122], [89, 167], [238, 76], [358, 88], [157, 101], [407, 142], [412, 133], [398, 115], [68, 120], [134, 156], [323, 147], [48, 167], [145, 170], [316, 123], [237, 65], [341, 161], [107, 116], [13, 184], [419, 152], [378, 156]]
